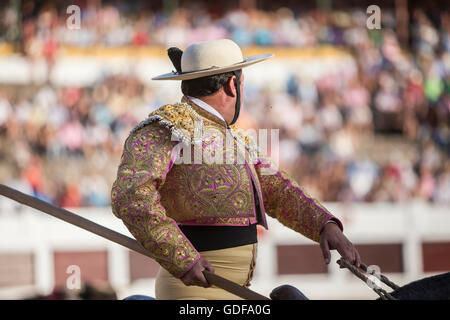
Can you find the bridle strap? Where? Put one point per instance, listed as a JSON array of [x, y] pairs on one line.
[[237, 107]]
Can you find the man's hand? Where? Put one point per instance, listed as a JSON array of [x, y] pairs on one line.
[[195, 276], [332, 238]]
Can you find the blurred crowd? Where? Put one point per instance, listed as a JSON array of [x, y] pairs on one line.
[[381, 135], [45, 130]]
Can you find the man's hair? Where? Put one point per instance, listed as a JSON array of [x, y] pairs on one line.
[[205, 86]]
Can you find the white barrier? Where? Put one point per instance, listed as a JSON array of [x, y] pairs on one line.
[[27, 230]]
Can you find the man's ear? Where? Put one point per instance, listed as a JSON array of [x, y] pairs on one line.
[[229, 87]]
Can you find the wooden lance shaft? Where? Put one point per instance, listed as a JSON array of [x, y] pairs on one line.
[[117, 237]]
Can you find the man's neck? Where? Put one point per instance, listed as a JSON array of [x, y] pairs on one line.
[[206, 106]]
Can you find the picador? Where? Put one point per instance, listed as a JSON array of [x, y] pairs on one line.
[[192, 198]]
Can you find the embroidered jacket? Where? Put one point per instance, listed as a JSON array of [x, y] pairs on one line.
[[182, 165]]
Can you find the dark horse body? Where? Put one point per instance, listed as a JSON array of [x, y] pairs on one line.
[[430, 288]]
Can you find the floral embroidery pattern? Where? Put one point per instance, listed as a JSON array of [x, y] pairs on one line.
[[135, 199], [151, 196], [285, 201]]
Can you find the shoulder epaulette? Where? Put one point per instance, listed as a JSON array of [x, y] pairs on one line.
[[180, 119]]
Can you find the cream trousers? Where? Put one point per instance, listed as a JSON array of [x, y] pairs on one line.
[[235, 264]]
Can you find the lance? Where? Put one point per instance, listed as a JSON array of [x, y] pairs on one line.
[[118, 238]]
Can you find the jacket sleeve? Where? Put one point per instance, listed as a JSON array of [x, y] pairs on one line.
[[285, 201], [135, 199]]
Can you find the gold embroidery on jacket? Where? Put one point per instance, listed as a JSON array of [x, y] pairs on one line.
[[151, 199], [136, 200]]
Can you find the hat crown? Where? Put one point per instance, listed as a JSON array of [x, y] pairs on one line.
[[209, 54]]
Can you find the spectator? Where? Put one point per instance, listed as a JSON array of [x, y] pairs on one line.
[[396, 95]]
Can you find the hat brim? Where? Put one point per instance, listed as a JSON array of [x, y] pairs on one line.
[[214, 70]]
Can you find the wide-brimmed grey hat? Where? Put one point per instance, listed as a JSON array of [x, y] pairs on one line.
[[206, 58]]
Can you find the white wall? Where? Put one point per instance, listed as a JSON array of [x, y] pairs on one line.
[[25, 230]]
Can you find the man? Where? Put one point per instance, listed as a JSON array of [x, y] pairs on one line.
[[201, 214]]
